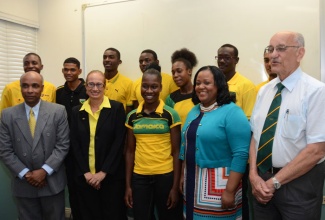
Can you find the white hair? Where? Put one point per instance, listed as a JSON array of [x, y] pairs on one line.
[[299, 38]]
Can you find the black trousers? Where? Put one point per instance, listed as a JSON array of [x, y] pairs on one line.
[[300, 199], [105, 203], [72, 187], [151, 191]]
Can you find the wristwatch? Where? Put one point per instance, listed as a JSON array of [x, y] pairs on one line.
[[276, 183]]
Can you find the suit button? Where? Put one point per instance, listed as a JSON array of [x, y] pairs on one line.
[[48, 134], [24, 154], [18, 139]]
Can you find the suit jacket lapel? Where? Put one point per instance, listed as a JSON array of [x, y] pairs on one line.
[[105, 112], [22, 124], [42, 118], [84, 120]]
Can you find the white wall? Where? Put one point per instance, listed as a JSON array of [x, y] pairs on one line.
[[135, 25], [20, 11], [59, 35], [246, 24]]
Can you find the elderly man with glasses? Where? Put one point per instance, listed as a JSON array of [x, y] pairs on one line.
[[286, 156]]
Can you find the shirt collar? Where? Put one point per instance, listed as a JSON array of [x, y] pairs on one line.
[[35, 108], [233, 79], [86, 105], [159, 110], [113, 80], [291, 80], [79, 87]]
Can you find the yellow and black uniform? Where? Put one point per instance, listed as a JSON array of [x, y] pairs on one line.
[[11, 94], [182, 103], [244, 91], [119, 89], [168, 86], [65, 96], [152, 134]]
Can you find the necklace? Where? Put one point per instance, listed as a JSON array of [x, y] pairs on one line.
[[209, 108]]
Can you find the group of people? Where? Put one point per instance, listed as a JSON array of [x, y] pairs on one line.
[[165, 146]]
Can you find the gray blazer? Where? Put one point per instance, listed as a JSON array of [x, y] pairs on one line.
[[18, 150]]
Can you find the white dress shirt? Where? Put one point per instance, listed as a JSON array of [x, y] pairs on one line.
[[301, 118]]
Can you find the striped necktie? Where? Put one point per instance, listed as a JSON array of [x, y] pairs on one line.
[[32, 122], [264, 153]]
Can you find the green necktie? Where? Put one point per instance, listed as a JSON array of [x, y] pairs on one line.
[[264, 153], [32, 122]]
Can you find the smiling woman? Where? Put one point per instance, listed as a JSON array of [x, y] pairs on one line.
[[97, 142], [150, 89], [152, 165], [214, 150], [183, 62]]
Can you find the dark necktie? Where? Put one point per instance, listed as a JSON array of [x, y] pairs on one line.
[[264, 153]]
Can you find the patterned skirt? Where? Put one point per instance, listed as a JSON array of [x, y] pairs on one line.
[[209, 186]]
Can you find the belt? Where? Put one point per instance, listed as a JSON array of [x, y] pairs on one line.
[[274, 170]]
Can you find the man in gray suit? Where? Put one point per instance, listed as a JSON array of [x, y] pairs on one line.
[[35, 156]]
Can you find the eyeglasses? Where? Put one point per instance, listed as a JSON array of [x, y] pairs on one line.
[[98, 85], [279, 48], [225, 58]]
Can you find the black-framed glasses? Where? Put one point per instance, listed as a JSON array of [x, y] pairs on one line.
[[225, 58], [93, 85], [279, 48]]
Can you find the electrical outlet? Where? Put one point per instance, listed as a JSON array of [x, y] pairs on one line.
[[324, 200]]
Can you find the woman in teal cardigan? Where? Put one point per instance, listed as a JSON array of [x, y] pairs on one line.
[[214, 150]]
